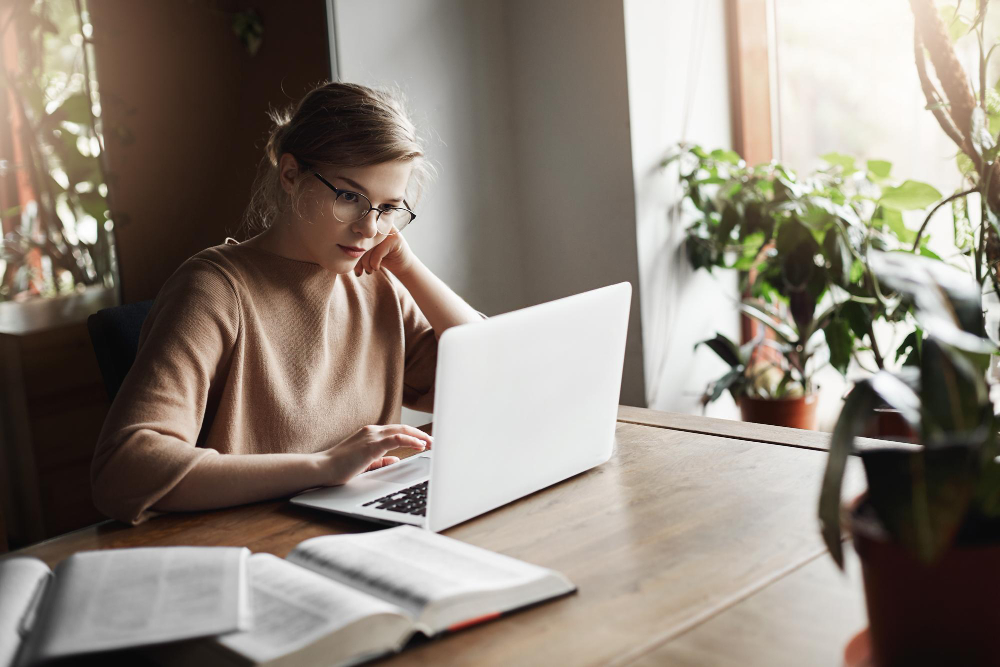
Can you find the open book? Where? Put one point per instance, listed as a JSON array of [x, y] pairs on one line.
[[344, 599], [119, 598]]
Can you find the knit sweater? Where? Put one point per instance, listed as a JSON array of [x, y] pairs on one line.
[[247, 352]]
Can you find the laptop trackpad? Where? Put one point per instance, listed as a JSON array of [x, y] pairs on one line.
[[406, 471]]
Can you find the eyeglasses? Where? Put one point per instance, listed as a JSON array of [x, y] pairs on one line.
[[353, 206]]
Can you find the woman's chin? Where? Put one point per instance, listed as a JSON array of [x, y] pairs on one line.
[[341, 268]]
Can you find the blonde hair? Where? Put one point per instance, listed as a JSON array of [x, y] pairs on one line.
[[335, 125]]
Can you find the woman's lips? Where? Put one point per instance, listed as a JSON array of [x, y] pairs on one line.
[[351, 251]]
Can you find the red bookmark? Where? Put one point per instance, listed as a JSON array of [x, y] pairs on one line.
[[473, 621]]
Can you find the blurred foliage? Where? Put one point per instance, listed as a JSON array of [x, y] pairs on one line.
[[948, 490], [62, 240]]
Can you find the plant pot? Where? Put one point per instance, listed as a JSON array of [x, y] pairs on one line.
[[793, 412], [888, 424], [946, 613]]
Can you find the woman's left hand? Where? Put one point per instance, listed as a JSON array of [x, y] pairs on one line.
[[392, 253]]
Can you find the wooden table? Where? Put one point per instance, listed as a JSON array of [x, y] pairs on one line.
[[697, 543]]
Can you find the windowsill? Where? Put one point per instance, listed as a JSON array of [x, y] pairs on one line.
[[39, 314]]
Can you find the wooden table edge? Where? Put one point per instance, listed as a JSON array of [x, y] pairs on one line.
[[739, 430]]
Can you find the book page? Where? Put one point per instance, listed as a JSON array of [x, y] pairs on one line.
[[411, 567], [22, 582], [294, 607], [116, 598]]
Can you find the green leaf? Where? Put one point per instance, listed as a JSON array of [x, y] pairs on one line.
[[922, 497], [845, 162], [964, 235], [839, 256], [732, 381], [852, 420], [94, 205], [858, 316], [75, 109], [757, 220], [878, 169], [730, 219], [953, 391], [956, 24], [949, 303], [722, 155], [965, 164], [909, 196], [927, 252], [78, 167], [840, 342], [993, 110], [893, 219], [725, 348], [982, 140], [781, 329], [701, 253], [857, 270], [796, 248], [911, 346]]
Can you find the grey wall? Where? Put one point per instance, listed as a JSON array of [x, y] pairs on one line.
[[678, 90], [449, 60], [572, 155], [525, 108]]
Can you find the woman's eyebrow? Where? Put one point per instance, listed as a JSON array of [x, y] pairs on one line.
[[362, 190]]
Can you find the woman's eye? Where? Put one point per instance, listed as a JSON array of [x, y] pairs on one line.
[[350, 197]]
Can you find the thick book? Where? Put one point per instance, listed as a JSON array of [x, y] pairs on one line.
[[120, 598], [345, 599]]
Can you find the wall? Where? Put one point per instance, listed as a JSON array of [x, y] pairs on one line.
[[572, 154], [184, 111], [677, 90], [525, 109], [448, 60]]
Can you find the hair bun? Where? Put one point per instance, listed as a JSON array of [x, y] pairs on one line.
[[273, 147]]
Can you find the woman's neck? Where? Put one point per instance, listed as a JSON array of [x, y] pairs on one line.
[[278, 240]]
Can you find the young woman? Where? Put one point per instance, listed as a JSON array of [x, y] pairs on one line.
[[280, 364]]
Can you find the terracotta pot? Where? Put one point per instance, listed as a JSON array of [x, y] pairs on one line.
[[888, 424], [946, 613], [793, 412]]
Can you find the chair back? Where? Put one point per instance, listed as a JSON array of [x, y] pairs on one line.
[[114, 333]]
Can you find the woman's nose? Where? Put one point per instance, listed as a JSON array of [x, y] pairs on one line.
[[367, 226]]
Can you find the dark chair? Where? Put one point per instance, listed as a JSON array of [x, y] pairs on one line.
[[114, 332]]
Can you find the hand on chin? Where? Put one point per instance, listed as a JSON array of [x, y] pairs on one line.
[[392, 253]]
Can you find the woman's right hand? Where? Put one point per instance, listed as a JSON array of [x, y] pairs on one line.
[[366, 449]]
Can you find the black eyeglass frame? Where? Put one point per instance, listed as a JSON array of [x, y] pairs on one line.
[[379, 211]]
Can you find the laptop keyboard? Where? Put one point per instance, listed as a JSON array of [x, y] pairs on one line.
[[411, 500]]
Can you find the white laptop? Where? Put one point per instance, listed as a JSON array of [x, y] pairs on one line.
[[522, 400]]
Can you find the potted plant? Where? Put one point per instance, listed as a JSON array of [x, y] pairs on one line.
[[801, 245], [928, 528], [767, 390]]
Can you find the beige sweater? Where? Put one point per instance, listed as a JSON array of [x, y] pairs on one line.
[[248, 352]]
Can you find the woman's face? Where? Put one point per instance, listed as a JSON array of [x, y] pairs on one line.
[[319, 236]]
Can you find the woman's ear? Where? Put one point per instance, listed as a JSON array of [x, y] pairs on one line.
[[288, 171]]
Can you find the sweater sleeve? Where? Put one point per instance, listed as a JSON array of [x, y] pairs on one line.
[[420, 360], [149, 440], [420, 364]]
